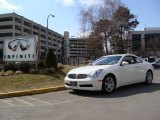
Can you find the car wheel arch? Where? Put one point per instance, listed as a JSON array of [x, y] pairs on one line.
[[111, 74]]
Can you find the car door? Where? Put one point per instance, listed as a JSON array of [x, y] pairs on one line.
[[140, 70], [128, 72]]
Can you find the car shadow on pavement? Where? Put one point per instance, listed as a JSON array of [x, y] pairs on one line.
[[122, 91]]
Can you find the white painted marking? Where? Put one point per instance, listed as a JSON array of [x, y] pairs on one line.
[[8, 103], [68, 101], [39, 100], [58, 103], [24, 101]]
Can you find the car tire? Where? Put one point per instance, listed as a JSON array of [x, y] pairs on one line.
[[149, 77], [108, 84]]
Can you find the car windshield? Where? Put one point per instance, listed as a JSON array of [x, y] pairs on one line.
[[107, 60]]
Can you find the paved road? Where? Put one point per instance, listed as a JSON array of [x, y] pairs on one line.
[[135, 102]]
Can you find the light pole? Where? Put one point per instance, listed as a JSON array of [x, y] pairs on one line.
[[47, 30]]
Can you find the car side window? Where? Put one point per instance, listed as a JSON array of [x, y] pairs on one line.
[[129, 59], [138, 60]]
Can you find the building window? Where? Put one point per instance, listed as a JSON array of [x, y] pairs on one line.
[[152, 41], [35, 27], [6, 27], [18, 20], [27, 24], [17, 27], [136, 42], [5, 34], [5, 19]]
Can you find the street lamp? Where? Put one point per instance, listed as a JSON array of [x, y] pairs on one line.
[[47, 30]]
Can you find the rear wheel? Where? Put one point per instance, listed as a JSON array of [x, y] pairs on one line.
[[108, 85], [149, 78]]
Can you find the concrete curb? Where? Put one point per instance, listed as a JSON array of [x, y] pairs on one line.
[[31, 92]]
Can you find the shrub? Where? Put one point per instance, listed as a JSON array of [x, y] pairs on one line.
[[45, 71], [32, 65], [6, 67], [34, 71], [24, 67], [50, 70], [40, 64], [10, 66], [50, 60]]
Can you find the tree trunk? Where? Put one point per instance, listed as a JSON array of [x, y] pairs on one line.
[[106, 43]]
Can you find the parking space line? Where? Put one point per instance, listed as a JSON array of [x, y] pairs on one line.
[[24, 101], [68, 101], [46, 103], [8, 103], [39, 100]]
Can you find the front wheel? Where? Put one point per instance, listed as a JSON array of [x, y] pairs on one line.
[[108, 85], [149, 78]]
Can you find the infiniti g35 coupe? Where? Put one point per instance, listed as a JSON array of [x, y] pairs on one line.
[[110, 72]]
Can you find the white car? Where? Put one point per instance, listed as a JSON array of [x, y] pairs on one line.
[[110, 72]]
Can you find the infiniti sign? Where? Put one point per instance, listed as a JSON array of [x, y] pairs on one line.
[[20, 48]]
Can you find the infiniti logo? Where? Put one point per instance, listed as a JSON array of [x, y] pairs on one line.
[[19, 42]]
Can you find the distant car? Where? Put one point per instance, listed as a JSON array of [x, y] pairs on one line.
[[153, 61], [110, 72], [157, 63]]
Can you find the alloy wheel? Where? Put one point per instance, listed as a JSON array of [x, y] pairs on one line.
[[149, 78], [109, 84]]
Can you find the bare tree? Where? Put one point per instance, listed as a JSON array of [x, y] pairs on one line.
[[94, 46], [96, 19], [109, 22]]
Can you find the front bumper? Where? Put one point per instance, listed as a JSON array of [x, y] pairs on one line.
[[84, 84]]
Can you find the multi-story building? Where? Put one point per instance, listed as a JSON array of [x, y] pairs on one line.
[[77, 49], [146, 42], [74, 49], [13, 24]]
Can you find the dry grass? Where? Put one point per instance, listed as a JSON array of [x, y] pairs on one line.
[[32, 81]]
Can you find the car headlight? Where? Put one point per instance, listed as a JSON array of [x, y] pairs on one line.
[[96, 73]]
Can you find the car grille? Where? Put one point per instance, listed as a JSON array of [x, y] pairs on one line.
[[77, 76], [81, 76]]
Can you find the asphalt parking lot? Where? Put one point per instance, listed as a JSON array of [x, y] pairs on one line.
[[134, 102]]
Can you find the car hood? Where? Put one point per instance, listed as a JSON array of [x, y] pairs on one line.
[[88, 69]]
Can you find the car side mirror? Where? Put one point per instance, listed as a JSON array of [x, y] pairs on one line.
[[124, 63]]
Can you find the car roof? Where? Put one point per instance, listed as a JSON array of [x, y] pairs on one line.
[[119, 55]]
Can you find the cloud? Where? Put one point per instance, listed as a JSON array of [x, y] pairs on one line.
[[81, 2], [5, 5], [66, 2], [88, 2]]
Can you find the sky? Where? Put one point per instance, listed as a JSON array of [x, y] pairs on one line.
[[66, 12]]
